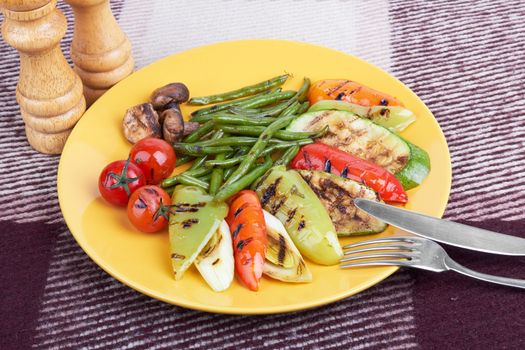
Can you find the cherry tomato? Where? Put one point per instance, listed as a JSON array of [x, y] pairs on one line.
[[118, 180], [155, 157], [148, 208]]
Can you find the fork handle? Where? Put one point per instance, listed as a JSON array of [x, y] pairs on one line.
[[512, 282]]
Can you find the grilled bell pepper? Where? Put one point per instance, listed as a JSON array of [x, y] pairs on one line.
[[248, 229], [349, 91], [394, 118], [289, 198], [318, 156], [194, 219]]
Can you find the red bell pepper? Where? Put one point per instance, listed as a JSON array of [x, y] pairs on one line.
[[248, 228], [318, 156]]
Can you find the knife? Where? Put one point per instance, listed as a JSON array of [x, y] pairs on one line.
[[444, 231]]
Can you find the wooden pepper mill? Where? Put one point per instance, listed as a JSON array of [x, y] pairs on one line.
[[49, 92], [100, 50]]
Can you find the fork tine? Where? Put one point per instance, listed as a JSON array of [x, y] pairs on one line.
[[380, 240], [399, 255], [375, 248], [376, 263]]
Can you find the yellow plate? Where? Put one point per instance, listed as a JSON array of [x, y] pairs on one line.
[[141, 260]]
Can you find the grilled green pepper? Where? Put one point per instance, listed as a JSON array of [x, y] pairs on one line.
[[194, 219], [289, 198]]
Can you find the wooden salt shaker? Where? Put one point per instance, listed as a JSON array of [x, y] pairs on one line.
[[49, 92], [100, 50]]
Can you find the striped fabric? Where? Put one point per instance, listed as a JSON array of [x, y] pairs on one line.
[[463, 58]]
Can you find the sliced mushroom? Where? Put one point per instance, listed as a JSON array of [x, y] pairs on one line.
[[173, 125], [173, 93], [141, 121], [190, 127]]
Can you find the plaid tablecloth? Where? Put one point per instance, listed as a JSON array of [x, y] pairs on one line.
[[465, 59]]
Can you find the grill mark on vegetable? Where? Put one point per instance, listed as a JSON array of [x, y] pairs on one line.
[[277, 204], [236, 231], [291, 214], [384, 112], [344, 173], [243, 243], [383, 102], [337, 87], [340, 96], [140, 204], [302, 224], [282, 250], [188, 223], [270, 191], [176, 256], [216, 261], [327, 165], [319, 118], [238, 211], [188, 207]]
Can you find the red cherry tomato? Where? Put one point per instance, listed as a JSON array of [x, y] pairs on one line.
[[155, 157], [148, 208], [118, 180]]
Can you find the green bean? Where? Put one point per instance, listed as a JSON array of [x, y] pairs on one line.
[[224, 163], [263, 113], [242, 92], [216, 176], [193, 181], [290, 110], [171, 181], [303, 90], [241, 120], [303, 108], [280, 134], [200, 132], [229, 190], [288, 155], [261, 143], [205, 178], [255, 101], [285, 145], [183, 159], [197, 151], [200, 160]]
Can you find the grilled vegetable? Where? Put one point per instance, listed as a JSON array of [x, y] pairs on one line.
[[283, 260], [194, 219], [287, 196], [349, 91], [364, 139], [242, 92], [319, 156], [246, 221], [215, 262], [337, 195], [394, 118]]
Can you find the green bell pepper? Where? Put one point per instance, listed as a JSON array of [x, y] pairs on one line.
[[194, 219], [289, 198]]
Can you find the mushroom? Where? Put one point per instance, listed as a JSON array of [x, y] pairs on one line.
[[173, 93], [166, 100], [141, 121]]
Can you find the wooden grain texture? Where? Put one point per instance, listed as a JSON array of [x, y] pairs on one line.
[[100, 49], [49, 92]]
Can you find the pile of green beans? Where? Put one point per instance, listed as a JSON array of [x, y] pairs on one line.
[[240, 136]]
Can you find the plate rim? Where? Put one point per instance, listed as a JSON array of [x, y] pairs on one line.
[[388, 270]]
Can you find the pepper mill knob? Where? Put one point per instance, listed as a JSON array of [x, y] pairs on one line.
[[49, 92], [100, 49]]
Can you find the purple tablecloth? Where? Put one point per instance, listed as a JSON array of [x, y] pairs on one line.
[[465, 59]]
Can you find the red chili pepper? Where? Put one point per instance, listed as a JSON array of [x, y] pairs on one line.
[[248, 228], [318, 156]]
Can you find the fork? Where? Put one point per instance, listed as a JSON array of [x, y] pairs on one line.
[[413, 252]]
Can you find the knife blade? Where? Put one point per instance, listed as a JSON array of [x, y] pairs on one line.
[[444, 231]]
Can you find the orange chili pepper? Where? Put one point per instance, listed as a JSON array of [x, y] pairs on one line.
[[349, 91], [248, 228]]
